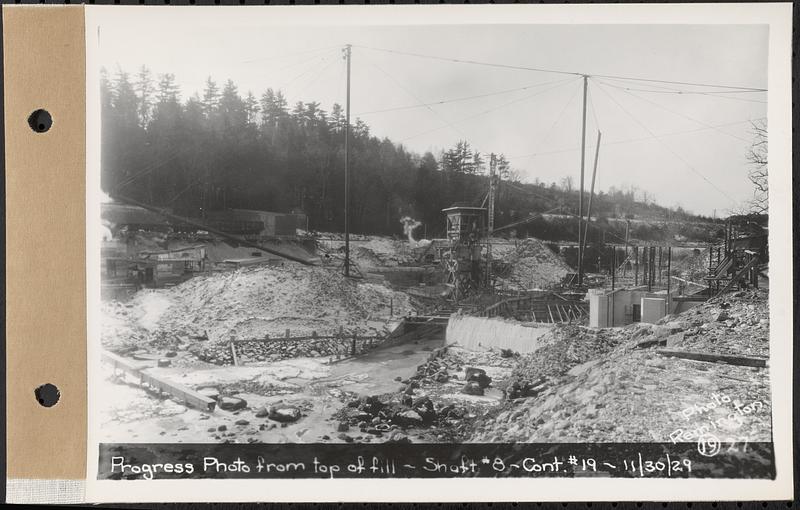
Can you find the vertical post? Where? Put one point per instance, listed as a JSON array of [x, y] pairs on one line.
[[347, 51], [580, 190], [636, 266], [710, 256], [613, 266], [669, 278], [660, 257], [490, 229], [627, 227], [652, 266], [591, 195]]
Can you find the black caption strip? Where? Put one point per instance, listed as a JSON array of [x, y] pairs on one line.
[[148, 461]]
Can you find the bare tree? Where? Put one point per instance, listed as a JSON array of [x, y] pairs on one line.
[[758, 175]]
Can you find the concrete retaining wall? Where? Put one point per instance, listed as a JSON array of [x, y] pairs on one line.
[[479, 333]]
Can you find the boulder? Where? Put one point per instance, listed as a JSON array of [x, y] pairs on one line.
[[231, 403], [344, 437], [372, 405], [472, 388], [507, 353], [477, 375], [721, 316], [343, 426], [675, 340], [262, 412], [408, 418], [284, 414], [425, 408]]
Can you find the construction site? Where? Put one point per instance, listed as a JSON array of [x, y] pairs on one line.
[[524, 315], [470, 337]]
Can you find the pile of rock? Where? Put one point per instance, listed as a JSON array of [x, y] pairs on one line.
[[280, 349], [534, 265], [736, 324], [614, 386], [390, 415], [566, 346], [477, 381]]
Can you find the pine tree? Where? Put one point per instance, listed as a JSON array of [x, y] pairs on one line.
[[144, 89], [211, 98]]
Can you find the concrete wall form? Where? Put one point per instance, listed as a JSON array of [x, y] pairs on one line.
[[480, 333]]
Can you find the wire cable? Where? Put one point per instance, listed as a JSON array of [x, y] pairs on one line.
[[552, 127], [715, 94], [664, 144], [415, 98], [679, 114], [458, 99], [463, 119], [585, 221], [630, 140], [573, 73], [288, 55]]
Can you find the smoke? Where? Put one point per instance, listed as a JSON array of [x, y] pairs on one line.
[[409, 224]]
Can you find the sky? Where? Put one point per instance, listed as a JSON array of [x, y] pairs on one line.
[[685, 145]]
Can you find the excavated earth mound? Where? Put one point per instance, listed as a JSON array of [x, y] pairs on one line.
[[251, 303], [614, 384], [533, 264]]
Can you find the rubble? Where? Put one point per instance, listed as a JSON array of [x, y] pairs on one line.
[[601, 385], [533, 265], [205, 313]]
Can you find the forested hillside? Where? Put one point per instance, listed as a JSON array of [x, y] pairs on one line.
[[227, 149]]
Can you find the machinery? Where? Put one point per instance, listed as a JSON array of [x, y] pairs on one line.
[[464, 258]]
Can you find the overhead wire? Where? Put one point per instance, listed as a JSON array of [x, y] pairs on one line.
[[679, 114], [567, 213], [669, 90], [552, 127], [630, 140], [664, 144], [458, 99], [557, 71], [324, 56], [289, 55], [525, 98], [315, 77], [415, 98]]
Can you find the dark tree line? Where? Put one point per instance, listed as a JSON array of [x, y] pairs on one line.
[[223, 149]]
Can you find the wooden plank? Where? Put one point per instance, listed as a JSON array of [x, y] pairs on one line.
[[746, 361], [180, 393], [128, 365], [533, 314], [233, 353], [551, 314], [177, 391]]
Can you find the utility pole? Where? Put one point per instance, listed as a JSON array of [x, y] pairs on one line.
[[580, 190], [490, 229], [347, 51], [591, 195]]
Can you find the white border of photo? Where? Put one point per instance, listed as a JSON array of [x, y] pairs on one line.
[[777, 16]]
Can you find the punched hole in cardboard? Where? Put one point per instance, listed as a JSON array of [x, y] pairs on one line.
[[40, 121], [47, 395]]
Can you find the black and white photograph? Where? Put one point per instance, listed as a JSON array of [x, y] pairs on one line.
[[397, 235]]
